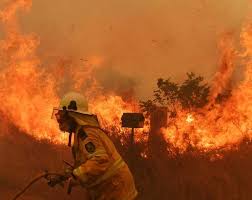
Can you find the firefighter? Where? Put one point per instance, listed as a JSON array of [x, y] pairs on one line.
[[97, 165]]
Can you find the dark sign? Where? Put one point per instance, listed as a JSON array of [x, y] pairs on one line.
[[133, 120]]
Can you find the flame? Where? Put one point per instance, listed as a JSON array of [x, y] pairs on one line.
[[189, 118], [28, 92], [110, 109], [226, 67], [224, 125]]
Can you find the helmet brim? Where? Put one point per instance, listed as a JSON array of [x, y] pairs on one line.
[[56, 109]]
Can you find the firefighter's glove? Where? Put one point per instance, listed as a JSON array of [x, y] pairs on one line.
[[68, 172], [56, 180]]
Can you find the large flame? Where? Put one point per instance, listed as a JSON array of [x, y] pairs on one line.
[[219, 125], [28, 92]]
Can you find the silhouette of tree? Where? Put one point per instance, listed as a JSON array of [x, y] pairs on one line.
[[190, 94]]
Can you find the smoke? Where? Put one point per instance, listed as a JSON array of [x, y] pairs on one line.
[[115, 81], [143, 40]]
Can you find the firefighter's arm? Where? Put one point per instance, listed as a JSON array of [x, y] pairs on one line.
[[97, 160]]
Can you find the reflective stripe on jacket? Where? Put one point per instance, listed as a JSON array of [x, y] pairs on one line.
[[99, 167]]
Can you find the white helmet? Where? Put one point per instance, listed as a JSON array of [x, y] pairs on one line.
[[74, 102]]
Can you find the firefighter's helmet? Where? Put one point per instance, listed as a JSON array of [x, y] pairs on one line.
[[74, 102]]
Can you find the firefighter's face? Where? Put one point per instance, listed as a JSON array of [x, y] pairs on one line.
[[64, 120]]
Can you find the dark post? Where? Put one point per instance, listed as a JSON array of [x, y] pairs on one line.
[[132, 120], [132, 136], [158, 120]]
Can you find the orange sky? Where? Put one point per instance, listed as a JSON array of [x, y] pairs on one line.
[[139, 40]]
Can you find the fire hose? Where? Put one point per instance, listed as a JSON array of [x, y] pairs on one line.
[[45, 175], [48, 176]]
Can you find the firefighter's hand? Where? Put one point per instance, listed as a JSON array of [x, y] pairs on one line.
[[56, 180], [68, 172]]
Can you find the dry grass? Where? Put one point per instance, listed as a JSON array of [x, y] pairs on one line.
[[191, 176]]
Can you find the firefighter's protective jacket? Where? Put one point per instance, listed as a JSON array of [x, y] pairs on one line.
[[99, 167]]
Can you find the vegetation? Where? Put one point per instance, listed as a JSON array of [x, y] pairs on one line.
[[192, 174], [192, 93]]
